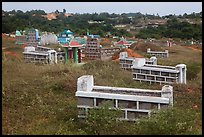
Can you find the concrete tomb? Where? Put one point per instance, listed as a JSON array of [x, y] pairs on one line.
[[133, 103]]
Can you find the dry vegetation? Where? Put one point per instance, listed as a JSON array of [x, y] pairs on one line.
[[40, 99], [51, 16]]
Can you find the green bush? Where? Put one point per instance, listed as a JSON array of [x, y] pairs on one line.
[[171, 121], [101, 121]]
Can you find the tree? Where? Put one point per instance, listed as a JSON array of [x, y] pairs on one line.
[[64, 11], [57, 12], [173, 29]]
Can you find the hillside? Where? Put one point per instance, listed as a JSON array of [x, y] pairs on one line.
[[105, 24], [51, 16], [40, 99]]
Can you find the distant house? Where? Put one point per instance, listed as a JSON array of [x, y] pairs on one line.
[[95, 22], [154, 25], [92, 35], [65, 36], [120, 26], [122, 43], [115, 37]]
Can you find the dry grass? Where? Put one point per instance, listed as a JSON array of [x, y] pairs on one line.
[[181, 54], [40, 99]]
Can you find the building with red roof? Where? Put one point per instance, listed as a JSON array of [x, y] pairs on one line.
[[122, 43], [73, 50]]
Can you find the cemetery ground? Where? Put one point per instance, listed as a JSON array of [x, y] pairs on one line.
[[40, 99]]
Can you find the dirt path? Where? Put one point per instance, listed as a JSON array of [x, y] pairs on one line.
[[194, 49], [130, 52]]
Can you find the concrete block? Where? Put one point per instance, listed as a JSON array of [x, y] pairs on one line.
[[182, 73], [101, 102], [138, 62], [85, 83], [167, 92], [122, 103], [85, 101], [123, 55], [29, 49], [52, 56], [148, 50], [148, 106], [154, 60]]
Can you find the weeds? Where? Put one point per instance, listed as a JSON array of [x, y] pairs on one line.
[[40, 99]]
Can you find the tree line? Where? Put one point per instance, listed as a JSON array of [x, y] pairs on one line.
[[78, 23], [173, 29]]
